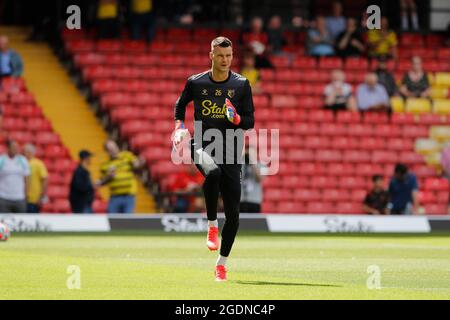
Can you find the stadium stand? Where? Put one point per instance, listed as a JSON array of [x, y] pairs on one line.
[[24, 121], [326, 160]]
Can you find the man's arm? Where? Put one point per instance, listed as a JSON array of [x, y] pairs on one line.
[[248, 109], [180, 106]]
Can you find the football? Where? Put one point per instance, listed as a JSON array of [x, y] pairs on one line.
[[4, 232]]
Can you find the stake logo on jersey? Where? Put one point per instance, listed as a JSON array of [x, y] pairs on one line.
[[212, 110]]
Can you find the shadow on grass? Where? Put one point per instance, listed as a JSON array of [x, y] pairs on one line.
[[273, 283]]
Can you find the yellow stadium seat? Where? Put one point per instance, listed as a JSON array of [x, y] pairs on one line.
[[427, 146], [418, 105], [440, 133], [442, 79], [441, 106], [397, 104], [439, 92]]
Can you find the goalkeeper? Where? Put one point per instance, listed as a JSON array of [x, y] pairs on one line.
[[222, 101]]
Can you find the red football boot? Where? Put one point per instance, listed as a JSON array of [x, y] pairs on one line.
[[221, 273], [212, 241]]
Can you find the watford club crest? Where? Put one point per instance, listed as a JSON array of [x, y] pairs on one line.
[[230, 93]]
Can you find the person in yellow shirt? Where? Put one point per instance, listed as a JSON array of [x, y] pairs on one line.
[[118, 173], [249, 71], [142, 17], [108, 19], [382, 42], [37, 181]]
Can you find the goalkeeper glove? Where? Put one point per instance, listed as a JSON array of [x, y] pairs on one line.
[[232, 115], [179, 134]]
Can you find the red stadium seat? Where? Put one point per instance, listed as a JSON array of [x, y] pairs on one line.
[[437, 184]]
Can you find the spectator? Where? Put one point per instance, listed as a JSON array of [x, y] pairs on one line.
[[382, 42], [319, 40], [275, 35], [142, 16], [385, 78], [118, 174], [445, 161], [349, 42], [14, 172], [409, 6], [188, 182], [257, 41], [81, 194], [415, 82], [108, 19], [10, 61], [403, 192], [251, 188], [37, 186], [377, 199], [371, 95], [250, 72], [338, 94], [336, 22]]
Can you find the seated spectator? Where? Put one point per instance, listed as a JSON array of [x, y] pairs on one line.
[[275, 35], [257, 41], [382, 42], [415, 82], [188, 182], [409, 6], [385, 77], [108, 19], [338, 95], [349, 42], [371, 95], [377, 199], [403, 192], [37, 186], [14, 173], [142, 16], [250, 72], [10, 61], [336, 22], [319, 41], [82, 190]]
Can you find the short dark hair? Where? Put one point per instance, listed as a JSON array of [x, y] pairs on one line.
[[377, 177], [222, 42], [401, 169]]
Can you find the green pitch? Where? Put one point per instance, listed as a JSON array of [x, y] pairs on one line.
[[262, 266]]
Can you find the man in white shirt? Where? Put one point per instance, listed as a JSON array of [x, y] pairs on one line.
[[14, 172], [338, 95]]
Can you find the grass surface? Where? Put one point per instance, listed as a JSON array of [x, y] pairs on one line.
[[262, 266]]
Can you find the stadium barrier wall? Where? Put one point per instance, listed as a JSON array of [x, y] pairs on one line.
[[301, 223]]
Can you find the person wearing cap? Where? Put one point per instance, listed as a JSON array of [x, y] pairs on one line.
[[81, 194], [38, 180]]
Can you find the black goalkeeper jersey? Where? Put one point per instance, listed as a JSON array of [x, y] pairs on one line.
[[209, 104]]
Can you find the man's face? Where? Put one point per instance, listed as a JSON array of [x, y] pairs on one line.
[[112, 148], [3, 43], [378, 184], [13, 148], [371, 79], [88, 161], [221, 58], [351, 24]]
